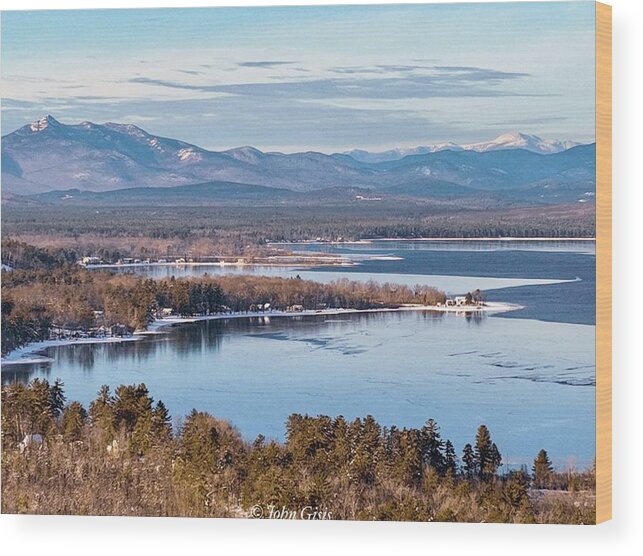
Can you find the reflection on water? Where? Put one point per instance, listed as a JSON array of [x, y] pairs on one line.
[[530, 381]]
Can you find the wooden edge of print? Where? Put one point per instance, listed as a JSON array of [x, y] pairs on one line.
[[603, 262]]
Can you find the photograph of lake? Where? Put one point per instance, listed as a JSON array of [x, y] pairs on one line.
[[298, 272]]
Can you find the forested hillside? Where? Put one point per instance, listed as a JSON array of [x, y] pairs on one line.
[[121, 456]]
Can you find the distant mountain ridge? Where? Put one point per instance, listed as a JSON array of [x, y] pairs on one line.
[[513, 140], [46, 156]]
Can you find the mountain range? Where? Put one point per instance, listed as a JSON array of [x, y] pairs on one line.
[[50, 161], [505, 141]]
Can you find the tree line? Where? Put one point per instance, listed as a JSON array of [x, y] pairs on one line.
[[116, 232], [122, 456]]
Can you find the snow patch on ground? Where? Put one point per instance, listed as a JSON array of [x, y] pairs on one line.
[[188, 154]]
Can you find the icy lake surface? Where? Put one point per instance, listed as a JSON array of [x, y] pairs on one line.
[[529, 375]]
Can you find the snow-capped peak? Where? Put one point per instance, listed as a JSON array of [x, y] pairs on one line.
[[516, 140], [511, 140], [43, 123], [245, 154]]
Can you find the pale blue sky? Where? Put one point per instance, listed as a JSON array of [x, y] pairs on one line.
[[314, 78]]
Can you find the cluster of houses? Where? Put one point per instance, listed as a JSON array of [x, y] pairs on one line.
[[294, 308], [462, 301], [99, 331], [458, 301], [299, 308], [94, 260]]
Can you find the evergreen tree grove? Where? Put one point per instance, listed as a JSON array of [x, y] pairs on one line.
[[123, 457]]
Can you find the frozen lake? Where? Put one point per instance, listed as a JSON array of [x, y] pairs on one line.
[[529, 375]]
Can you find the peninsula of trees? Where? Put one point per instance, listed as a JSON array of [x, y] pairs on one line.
[[52, 295]]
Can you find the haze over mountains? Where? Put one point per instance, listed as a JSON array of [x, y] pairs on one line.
[[106, 161]]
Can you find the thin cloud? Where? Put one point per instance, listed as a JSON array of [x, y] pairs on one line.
[[264, 64], [190, 72], [441, 82], [165, 83], [17, 103], [379, 69]]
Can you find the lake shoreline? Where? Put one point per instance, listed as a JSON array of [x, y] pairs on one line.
[[294, 264], [32, 353], [402, 239]]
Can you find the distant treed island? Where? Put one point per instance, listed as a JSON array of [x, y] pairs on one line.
[[122, 456]]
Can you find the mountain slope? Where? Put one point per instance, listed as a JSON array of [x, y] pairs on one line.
[[495, 170], [47, 155]]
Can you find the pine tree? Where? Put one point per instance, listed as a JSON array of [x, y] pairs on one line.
[[409, 461], [161, 423], [432, 446], [486, 453], [41, 410], [469, 461], [496, 458], [101, 413], [131, 403], [542, 470], [16, 407], [57, 398], [73, 421], [341, 448], [515, 490], [200, 441], [450, 459]]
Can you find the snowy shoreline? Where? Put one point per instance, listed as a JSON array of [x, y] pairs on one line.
[[403, 239], [32, 353], [300, 262]]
